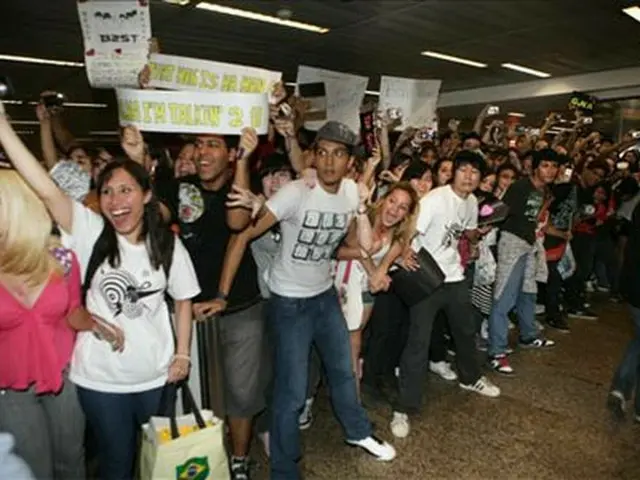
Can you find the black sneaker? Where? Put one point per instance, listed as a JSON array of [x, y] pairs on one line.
[[559, 323], [240, 468], [537, 343], [583, 313]]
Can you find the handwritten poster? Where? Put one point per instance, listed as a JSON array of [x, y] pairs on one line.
[[182, 73], [344, 94], [116, 40], [416, 100], [71, 179], [193, 112]]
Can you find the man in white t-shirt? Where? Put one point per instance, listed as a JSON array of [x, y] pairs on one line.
[[446, 214], [304, 307]]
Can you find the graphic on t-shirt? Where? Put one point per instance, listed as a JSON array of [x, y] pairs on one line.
[[191, 203], [123, 293], [533, 206], [452, 234], [319, 235]]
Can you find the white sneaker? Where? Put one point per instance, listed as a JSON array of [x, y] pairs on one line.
[[483, 386], [443, 369], [306, 417], [400, 425], [383, 451]]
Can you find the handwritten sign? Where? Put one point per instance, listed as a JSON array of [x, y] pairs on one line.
[[182, 73], [193, 112], [116, 40], [344, 94], [583, 102], [415, 99], [71, 179]]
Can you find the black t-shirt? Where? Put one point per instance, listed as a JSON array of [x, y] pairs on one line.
[[205, 234], [525, 203]]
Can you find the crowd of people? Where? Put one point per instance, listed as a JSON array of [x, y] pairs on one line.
[[319, 258]]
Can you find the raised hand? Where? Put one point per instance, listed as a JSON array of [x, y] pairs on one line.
[[248, 143], [243, 198], [132, 143]]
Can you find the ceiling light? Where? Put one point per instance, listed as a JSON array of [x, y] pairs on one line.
[[260, 17], [527, 70], [25, 122], [515, 114], [180, 3], [41, 61], [104, 132], [80, 105], [633, 12], [371, 92], [451, 58], [12, 102], [24, 132]]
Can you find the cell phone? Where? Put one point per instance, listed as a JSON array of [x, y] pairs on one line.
[[568, 173], [587, 120], [635, 134], [53, 100], [493, 110], [622, 165], [429, 134], [394, 113], [535, 132], [6, 87]]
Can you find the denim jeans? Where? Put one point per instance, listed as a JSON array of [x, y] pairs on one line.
[[115, 420], [627, 376], [48, 431], [525, 304], [294, 325]]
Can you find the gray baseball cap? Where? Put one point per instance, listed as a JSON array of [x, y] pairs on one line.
[[337, 132]]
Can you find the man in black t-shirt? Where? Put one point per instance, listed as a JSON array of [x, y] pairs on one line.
[[205, 229], [516, 264]]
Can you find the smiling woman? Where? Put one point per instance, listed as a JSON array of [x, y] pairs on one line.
[[128, 259]]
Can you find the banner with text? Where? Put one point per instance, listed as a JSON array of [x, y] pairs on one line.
[[415, 100], [344, 94], [193, 112], [182, 73], [116, 41]]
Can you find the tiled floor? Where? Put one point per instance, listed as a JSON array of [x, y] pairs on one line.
[[549, 423]]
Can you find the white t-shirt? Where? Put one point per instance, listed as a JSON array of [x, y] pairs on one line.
[[131, 297], [443, 217], [312, 224]]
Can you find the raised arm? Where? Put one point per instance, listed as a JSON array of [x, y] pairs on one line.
[[239, 218], [60, 206]]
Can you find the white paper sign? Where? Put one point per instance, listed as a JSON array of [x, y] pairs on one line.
[[344, 95], [116, 40], [71, 179], [182, 73], [193, 112], [416, 99]]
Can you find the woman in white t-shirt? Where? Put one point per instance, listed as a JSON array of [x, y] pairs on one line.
[[128, 250], [392, 219]]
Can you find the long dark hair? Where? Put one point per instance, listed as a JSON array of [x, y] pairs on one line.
[[155, 232]]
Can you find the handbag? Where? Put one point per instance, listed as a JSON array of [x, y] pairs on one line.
[[189, 447], [414, 286], [350, 294]]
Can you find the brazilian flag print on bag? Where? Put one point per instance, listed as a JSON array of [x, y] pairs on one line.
[[194, 469]]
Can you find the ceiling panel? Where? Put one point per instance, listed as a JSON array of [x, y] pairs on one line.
[[562, 37]]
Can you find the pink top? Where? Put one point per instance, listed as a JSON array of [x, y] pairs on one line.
[[36, 343]]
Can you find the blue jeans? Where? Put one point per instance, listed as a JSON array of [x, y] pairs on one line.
[[294, 325], [627, 376], [525, 304], [115, 420]]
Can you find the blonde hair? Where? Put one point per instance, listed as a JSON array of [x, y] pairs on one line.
[[25, 232], [405, 230]]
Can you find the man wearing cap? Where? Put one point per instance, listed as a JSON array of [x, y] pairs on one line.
[[304, 307]]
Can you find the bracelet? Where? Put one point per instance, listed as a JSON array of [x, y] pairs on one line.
[[179, 356]]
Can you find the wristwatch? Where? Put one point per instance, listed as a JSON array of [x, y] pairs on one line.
[[221, 296]]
